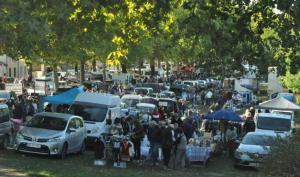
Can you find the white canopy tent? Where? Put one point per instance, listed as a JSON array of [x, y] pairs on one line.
[[279, 103]]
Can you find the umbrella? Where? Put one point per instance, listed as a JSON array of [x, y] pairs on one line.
[[224, 114]]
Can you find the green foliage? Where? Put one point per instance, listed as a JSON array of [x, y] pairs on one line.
[[292, 81], [284, 159]]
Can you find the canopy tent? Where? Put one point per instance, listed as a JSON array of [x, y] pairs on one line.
[[279, 103], [224, 114], [66, 97]]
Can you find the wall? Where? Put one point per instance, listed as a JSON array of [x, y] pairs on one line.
[[12, 68]]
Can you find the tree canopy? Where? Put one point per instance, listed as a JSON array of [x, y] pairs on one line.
[[216, 35]]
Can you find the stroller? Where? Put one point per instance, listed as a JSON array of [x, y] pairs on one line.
[[109, 151]]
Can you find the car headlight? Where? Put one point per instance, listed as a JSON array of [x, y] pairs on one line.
[[55, 139], [238, 154], [95, 130], [19, 136]]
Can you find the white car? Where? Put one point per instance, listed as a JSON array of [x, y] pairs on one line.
[[253, 148]]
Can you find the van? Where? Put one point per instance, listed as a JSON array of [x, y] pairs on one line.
[[95, 109], [290, 113], [5, 126], [280, 124]]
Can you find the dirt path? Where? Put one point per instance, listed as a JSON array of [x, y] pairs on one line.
[[10, 172]]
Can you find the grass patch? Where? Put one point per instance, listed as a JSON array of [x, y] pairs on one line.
[[82, 166]]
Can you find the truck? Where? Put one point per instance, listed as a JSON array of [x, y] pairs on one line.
[[96, 109]]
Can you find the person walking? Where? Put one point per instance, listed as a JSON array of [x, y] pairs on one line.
[[154, 137], [180, 150], [136, 138], [166, 143]]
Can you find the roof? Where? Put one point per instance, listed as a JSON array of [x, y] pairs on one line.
[[145, 105], [100, 99], [146, 88], [274, 115], [131, 96], [166, 99], [55, 115], [66, 97], [279, 103]]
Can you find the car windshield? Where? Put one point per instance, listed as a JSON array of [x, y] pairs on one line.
[[149, 100], [45, 122], [145, 109], [168, 105], [285, 113], [4, 95], [276, 124], [89, 113], [141, 91], [188, 83], [130, 102], [260, 140]]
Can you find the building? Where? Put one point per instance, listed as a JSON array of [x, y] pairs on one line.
[[12, 68]]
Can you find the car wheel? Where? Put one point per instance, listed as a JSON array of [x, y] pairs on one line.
[[5, 142], [82, 149], [64, 151]]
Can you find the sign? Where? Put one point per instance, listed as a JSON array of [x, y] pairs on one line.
[[164, 104]]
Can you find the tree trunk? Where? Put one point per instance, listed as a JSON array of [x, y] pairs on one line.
[[123, 66], [55, 78], [168, 70], [82, 72], [30, 69], [94, 64], [152, 66], [104, 71], [140, 67]]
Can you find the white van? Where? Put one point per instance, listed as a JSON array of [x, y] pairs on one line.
[[290, 113], [5, 126], [95, 109], [276, 123]]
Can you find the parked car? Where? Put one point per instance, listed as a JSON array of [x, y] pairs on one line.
[[167, 94], [143, 91], [253, 148], [129, 103], [202, 84], [145, 107], [95, 109], [170, 105], [5, 126], [49, 133], [150, 100], [274, 123], [289, 113], [8, 96]]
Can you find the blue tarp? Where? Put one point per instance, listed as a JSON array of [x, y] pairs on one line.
[[66, 97]]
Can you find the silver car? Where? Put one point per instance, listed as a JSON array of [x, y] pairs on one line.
[[50, 133], [253, 148]]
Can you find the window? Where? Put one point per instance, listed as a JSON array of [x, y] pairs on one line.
[[79, 123], [9, 72], [89, 113], [45, 122], [15, 72], [72, 124]]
